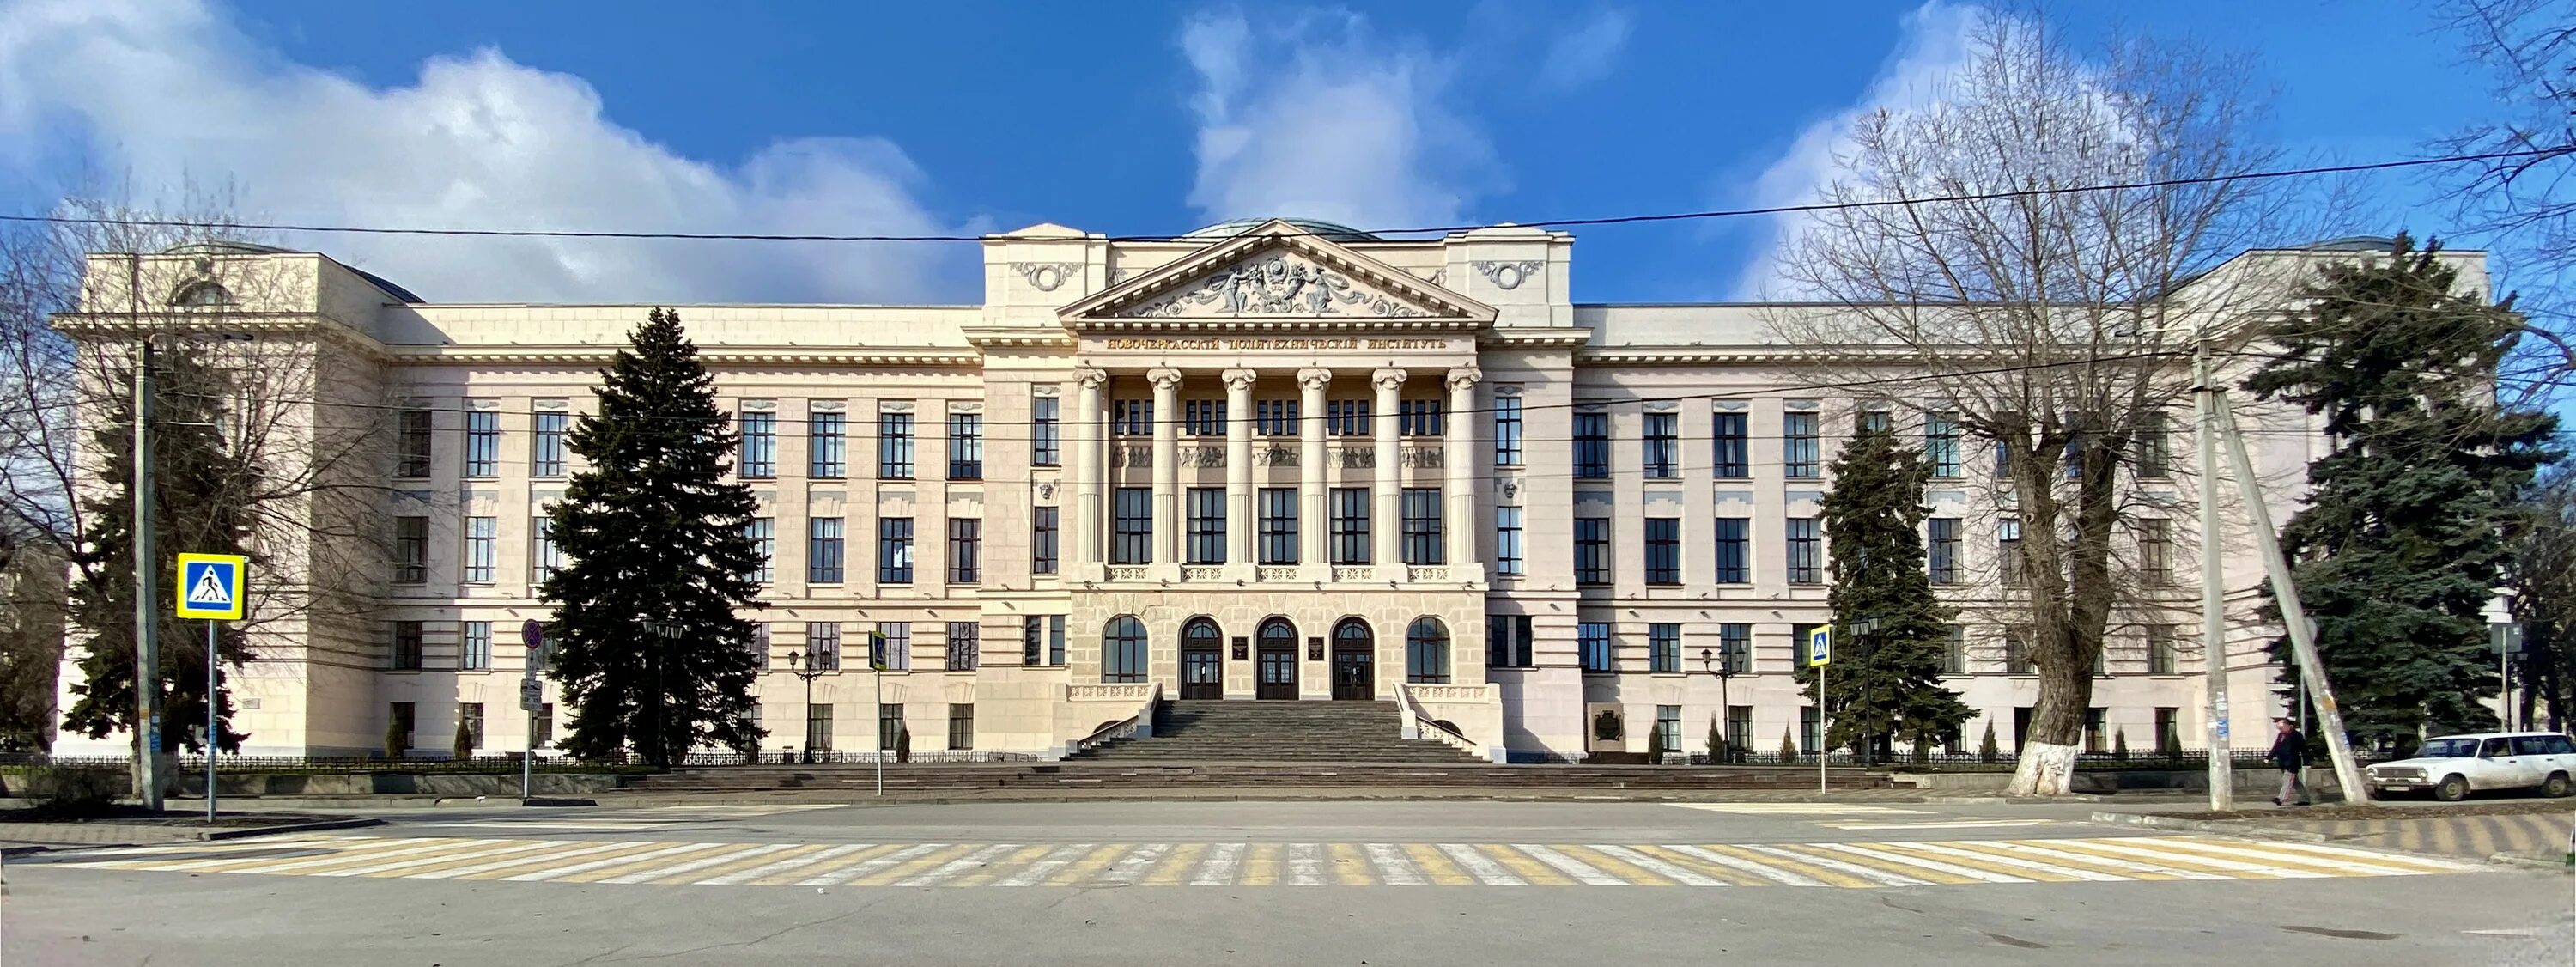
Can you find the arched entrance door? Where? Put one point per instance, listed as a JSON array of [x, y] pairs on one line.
[[1278, 661], [1354, 661], [1202, 660]]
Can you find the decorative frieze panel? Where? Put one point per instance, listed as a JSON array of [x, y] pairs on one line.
[[1422, 456], [1203, 572], [1279, 284], [1275, 456], [1136, 455], [1122, 692], [1202, 456]]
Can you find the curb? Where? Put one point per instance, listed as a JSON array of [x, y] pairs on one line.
[[315, 826], [10, 851], [2532, 862]]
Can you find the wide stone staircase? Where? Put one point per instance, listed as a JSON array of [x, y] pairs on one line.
[[1239, 731]]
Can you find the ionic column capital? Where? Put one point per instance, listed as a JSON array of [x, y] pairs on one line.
[[1314, 378], [1091, 378], [1163, 379], [1464, 378], [1389, 380], [1240, 380]]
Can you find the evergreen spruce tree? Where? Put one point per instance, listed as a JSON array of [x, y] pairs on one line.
[[2402, 541], [1884, 685], [654, 537], [1716, 741], [201, 505]]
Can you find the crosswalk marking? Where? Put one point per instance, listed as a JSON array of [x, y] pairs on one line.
[[1797, 808], [1843, 864]]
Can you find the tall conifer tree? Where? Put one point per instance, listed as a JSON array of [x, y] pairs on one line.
[[654, 538], [1885, 684]]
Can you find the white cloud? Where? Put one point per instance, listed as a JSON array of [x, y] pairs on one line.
[[1585, 55], [1315, 116], [1934, 49], [170, 92]]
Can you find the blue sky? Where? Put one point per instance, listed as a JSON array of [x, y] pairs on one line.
[[1125, 118]]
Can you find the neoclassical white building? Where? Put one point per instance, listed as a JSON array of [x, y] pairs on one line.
[[1272, 461]]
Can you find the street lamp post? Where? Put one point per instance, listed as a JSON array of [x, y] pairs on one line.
[[662, 633], [1725, 672], [799, 666]]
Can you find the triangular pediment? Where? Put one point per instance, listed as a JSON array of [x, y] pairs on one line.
[[1278, 272]]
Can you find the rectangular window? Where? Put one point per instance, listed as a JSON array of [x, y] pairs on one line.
[[482, 546], [1941, 445], [1350, 525], [1509, 641], [961, 726], [2008, 550], [965, 645], [2095, 733], [1131, 526], [1954, 651], [759, 447], [760, 644], [827, 439], [1811, 738], [1664, 648], [1204, 535], [546, 443], [1422, 529], [1663, 457], [894, 446], [818, 726], [889, 725], [2160, 649], [891, 648], [2017, 652], [1872, 420], [406, 646], [403, 719], [1507, 541], [1131, 417], [482, 443], [1735, 647], [1941, 549], [1055, 639], [894, 550], [1739, 730], [1278, 525], [1043, 527], [1202, 417], [470, 715], [1668, 727], [411, 443], [1046, 440], [2155, 552], [1663, 550], [1592, 445], [1418, 417], [1346, 417], [2153, 458], [1734, 550], [965, 550], [1806, 552], [1032, 639], [543, 559], [823, 645], [1592, 642], [823, 550], [545, 735], [965, 446], [1274, 417], [1592, 550], [2168, 730], [411, 550], [1731, 463], [1798, 446], [1507, 431], [475, 654], [763, 532]]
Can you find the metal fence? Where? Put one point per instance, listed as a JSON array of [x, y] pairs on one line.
[[855, 757]]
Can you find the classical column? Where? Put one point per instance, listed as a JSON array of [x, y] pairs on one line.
[[1457, 445], [1167, 464], [1387, 531], [1239, 523], [1087, 469], [1312, 523]]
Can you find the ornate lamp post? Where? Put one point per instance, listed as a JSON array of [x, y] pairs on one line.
[[798, 666], [1725, 672]]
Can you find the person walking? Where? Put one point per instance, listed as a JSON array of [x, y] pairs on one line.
[[2289, 751]]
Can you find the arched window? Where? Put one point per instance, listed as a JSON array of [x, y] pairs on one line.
[[1122, 650], [1278, 633], [1352, 633], [1426, 652], [1200, 634]]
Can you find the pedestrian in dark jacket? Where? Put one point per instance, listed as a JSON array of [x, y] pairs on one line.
[[2290, 752]]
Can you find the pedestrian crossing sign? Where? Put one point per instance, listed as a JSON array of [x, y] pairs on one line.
[[1820, 645], [210, 585]]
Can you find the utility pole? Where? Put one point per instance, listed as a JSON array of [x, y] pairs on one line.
[[2213, 592], [2285, 592], [147, 619]]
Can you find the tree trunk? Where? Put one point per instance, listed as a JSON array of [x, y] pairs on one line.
[[2056, 733]]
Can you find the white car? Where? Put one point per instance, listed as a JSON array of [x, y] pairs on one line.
[[2455, 765]]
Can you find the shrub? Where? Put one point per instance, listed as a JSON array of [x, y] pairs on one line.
[[464, 750], [1716, 741], [902, 744], [1655, 747], [397, 741], [1986, 751], [74, 792], [1788, 744], [2119, 745]]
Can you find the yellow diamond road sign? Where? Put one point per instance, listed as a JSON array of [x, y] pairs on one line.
[[210, 585]]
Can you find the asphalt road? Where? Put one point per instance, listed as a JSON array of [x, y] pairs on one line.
[[1471, 883]]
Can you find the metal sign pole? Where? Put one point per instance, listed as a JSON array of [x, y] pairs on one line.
[[212, 734], [1824, 727]]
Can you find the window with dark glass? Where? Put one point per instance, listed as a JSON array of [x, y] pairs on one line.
[[1131, 525], [1426, 652], [1278, 525], [2017, 652], [1205, 536], [961, 726], [412, 443], [1663, 452], [823, 550], [1798, 446], [406, 646], [891, 649], [1203, 417], [890, 727], [2152, 456], [965, 645], [823, 645], [411, 550], [544, 560], [476, 655], [965, 446], [1131, 417], [1941, 549], [757, 453], [1122, 650], [1274, 417], [1507, 431], [1734, 550], [1592, 445], [2008, 550], [1668, 726], [1346, 417], [1042, 539], [894, 550], [1592, 550], [546, 443], [1509, 641], [1954, 651], [1507, 541], [1418, 417], [1663, 550], [1055, 639], [1872, 420], [2160, 649], [1806, 552], [1046, 438], [1735, 647], [2155, 552], [1350, 513], [482, 548], [1664, 648], [1032, 634], [827, 455], [1941, 444], [965, 550], [482, 443], [894, 446], [1731, 461], [1592, 643], [1422, 541]]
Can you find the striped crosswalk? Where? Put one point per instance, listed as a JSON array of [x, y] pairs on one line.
[[957, 865]]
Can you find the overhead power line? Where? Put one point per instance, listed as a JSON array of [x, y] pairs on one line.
[[1423, 230]]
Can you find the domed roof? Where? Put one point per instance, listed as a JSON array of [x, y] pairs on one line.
[[1230, 229]]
